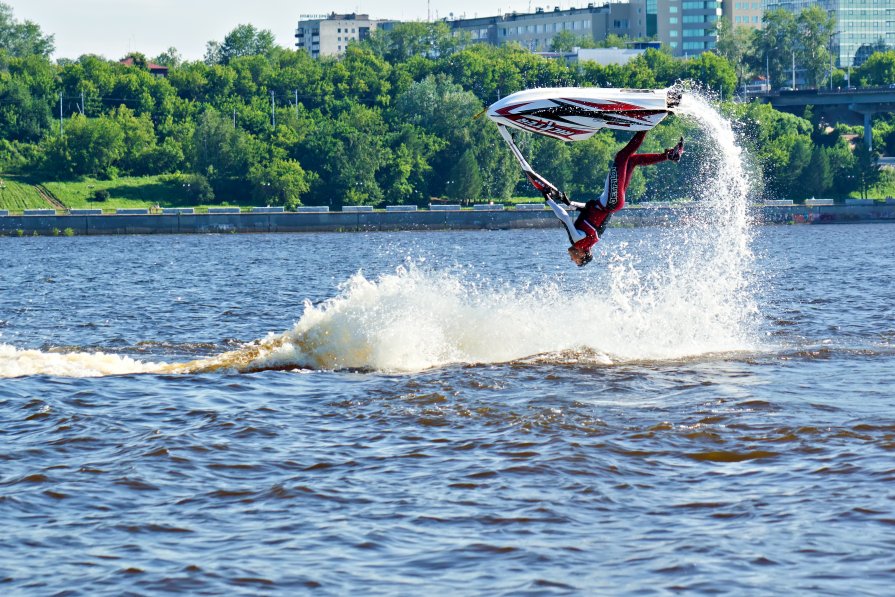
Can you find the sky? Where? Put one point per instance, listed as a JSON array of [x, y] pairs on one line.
[[112, 28]]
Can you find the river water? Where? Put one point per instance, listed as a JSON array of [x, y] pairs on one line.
[[587, 444], [708, 407]]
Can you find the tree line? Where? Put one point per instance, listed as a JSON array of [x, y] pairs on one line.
[[391, 121]]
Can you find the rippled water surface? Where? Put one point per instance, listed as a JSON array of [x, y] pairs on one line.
[[452, 412]]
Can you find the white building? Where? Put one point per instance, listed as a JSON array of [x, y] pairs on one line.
[[329, 35], [607, 56]]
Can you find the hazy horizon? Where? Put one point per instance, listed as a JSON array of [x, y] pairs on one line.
[[113, 28]]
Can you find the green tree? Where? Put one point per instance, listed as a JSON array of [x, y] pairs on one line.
[[89, 147], [406, 177], [866, 167], [22, 39], [770, 136], [842, 165], [170, 58], [464, 180], [221, 150], [879, 69], [566, 41], [800, 155], [244, 40], [280, 182], [815, 29], [774, 45], [197, 187], [613, 41], [24, 114], [138, 58], [409, 39], [817, 178], [734, 45], [713, 71], [347, 153], [139, 141], [866, 50]]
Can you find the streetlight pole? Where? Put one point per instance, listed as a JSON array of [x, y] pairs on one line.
[[832, 35], [793, 70]]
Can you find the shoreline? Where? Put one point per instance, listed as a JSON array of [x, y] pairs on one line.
[[255, 222]]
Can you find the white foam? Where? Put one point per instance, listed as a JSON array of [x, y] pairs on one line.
[[20, 363]]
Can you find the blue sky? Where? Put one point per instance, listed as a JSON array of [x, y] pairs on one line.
[[112, 28]]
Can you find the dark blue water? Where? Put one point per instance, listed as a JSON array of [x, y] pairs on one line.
[[473, 415]]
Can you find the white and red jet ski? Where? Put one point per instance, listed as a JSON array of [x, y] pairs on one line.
[[576, 113]]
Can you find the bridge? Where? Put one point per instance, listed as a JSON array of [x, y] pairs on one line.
[[862, 102]]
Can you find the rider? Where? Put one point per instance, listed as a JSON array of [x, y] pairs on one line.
[[585, 231]]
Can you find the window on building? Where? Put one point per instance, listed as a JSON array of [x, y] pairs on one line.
[[673, 44], [339, 30], [672, 20], [672, 9], [755, 19], [673, 33]]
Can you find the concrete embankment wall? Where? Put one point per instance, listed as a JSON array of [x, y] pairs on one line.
[[83, 225], [275, 222]]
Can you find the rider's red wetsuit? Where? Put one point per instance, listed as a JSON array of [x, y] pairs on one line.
[[594, 214]]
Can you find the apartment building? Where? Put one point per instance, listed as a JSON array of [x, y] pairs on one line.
[[743, 13], [688, 27], [329, 35], [536, 30]]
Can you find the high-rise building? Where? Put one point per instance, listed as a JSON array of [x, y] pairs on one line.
[[688, 27], [744, 14], [329, 35], [536, 30], [862, 26]]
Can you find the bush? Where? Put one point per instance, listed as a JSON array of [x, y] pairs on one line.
[[101, 195], [195, 186]]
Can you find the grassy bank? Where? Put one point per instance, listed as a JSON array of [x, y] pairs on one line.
[[16, 195], [124, 193]]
